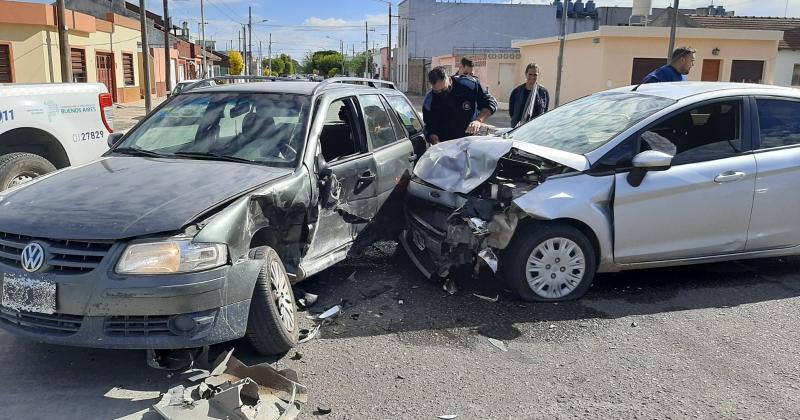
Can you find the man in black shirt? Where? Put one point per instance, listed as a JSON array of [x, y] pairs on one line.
[[520, 107], [449, 108]]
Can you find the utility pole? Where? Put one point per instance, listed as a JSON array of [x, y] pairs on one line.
[[561, 52], [250, 35], [269, 54], [145, 56], [672, 30], [389, 53], [341, 50], [203, 40], [63, 44], [366, 50], [260, 58], [167, 59]]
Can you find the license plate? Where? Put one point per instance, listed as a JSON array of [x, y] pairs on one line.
[[23, 293], [418, 239]]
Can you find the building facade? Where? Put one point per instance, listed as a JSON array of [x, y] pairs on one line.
[[103, 51], [429, 28], [615, 56]]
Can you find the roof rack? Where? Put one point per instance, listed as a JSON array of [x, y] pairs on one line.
[[241, 77], [369, 82]]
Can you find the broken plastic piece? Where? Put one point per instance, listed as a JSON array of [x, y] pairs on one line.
[[307, 300], [448, 416], [488, 256], [487, 298], [179, 359], [330, 313], [306, 335], [479, 226], [499, 344], [449, 286]]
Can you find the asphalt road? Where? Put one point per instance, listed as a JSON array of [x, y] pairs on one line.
[[713, 341]]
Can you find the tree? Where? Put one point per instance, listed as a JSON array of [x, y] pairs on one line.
[[356, 64], [288, 65], [236, 63], [333, 72]]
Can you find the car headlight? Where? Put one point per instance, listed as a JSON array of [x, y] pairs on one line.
[[168, 257]]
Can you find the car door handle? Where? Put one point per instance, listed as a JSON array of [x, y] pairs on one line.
[[412, 157], [367, 176], [729, 176]]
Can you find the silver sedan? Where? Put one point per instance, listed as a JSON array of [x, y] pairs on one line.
[[666, 174]]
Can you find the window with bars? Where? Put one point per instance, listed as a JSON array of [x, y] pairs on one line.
[[127, 69], [78, 60], [5, 63]]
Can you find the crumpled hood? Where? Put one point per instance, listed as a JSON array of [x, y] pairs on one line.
[[462, 165], [121, 197]]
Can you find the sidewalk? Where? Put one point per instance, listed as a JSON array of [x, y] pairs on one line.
[[128, 114]]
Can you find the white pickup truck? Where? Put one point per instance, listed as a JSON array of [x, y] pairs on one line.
[[44, 127]]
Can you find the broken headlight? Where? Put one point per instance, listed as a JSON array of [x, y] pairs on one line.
[[169, 257]]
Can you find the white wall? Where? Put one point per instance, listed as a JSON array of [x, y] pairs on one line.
[[784, 66]]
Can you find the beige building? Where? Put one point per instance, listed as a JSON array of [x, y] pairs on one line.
[[102, 51], [615, 56]]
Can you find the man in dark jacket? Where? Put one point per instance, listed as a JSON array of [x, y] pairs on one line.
[[520, 107], [449, 108], [679, 66]]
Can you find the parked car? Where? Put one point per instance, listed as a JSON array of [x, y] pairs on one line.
[[191, 229], [666, 174], [180, 86], [44, 127]]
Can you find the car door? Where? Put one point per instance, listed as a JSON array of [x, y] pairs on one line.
[[410, 120], [775, 222], [391, 148], [348, 193], [701, 205]]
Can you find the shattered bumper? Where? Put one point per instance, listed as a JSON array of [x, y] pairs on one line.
[[102, 309], [444, 230]]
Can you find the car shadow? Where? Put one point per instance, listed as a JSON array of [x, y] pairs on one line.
[[383, 293]]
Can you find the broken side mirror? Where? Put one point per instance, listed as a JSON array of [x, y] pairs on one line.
[[113, 139], [323, 168], [644, 162]]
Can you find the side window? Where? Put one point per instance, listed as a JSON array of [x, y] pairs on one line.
[[399, 130], [338, 138], [407, 114], [780, 122], [708, 132], [379, 127]]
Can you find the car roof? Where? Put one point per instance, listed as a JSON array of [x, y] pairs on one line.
[[683, 90], [291, 87]]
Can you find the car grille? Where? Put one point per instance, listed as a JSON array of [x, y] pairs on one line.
[[137, 326], [63, 256], [58, 324], [429, 213]]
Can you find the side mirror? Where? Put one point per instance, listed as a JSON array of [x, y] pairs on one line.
[[114, 138], [323, 169], [649, 160]]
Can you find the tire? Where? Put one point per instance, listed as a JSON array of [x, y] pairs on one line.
[[268, 332], [19, 168], [553, 280]]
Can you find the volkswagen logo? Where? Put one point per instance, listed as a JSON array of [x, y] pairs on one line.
[[32, 257]]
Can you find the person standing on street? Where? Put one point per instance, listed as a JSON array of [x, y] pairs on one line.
[[678, 68], [528, 100], [449, 110], [466, 67]]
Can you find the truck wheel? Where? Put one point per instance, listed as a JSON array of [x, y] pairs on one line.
[[272, 323], [549, 262], [19, 168]]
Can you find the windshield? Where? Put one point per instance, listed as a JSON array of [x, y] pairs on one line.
[[588, 123], [265, 128]]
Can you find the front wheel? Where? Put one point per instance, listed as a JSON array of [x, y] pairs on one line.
[[549, 263], [272, 322]]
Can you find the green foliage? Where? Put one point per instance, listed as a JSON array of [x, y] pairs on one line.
[[236, 63], [321, 62], [356, 64], [333, 72]]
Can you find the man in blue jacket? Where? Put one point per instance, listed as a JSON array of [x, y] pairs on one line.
[[450, 107], [679, 66]]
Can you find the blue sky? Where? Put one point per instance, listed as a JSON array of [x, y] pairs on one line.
[[298, 26]]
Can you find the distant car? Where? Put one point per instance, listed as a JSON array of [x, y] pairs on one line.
[[180, 86], [666, 174], [44, 127], [191, 229]]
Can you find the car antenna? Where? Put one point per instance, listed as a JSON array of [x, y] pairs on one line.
[[640, 83]]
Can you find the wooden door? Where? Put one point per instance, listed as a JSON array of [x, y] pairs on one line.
[[105, 73], [710, 70], [643, 66]]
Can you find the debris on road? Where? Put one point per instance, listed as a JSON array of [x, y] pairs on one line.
[[552, 326], [308, 335], [120, 393], [297, 356], [323, 410], [487, 298], [352, 277], [180, 359], [448, 416], [449, 286], [355, 316], [304, 299], [499, 344], [373, 293], [233, 390], [634, 324], [400, 302]]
